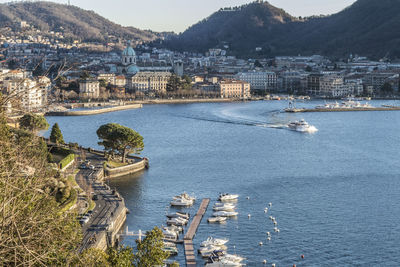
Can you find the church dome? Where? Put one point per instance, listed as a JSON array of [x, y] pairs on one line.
[[132, 69], [128, 51]]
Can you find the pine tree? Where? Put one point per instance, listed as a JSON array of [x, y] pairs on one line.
[[56, 135]]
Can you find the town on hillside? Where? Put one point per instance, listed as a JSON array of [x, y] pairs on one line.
[[50, 72]]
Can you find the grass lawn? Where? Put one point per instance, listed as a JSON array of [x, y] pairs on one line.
[[115, 164]]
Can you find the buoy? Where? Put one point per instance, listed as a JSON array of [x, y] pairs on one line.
[[249, 215], [275, 223], [273, 264], [261, 243], [265, 261], [302, 256], [278, 230], [248, 197], [270, 204], [270, 217], [265, 210], [269, 238], [294, 265], [268, 233]]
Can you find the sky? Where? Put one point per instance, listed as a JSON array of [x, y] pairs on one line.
[[177, 15]]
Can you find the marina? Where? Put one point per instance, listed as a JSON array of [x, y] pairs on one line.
[[337, 203]]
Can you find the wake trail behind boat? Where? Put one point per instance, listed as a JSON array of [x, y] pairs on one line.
[[237, 122]]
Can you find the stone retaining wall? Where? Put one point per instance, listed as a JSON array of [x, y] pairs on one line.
[[93, 111], [126, 170]]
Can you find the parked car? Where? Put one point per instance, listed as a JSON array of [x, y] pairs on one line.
[[84, 220], [83, 166], [95, 197]]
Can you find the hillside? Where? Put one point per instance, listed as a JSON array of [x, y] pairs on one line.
[[73, 21], [367, 27]]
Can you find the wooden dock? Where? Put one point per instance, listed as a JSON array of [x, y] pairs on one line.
[[188, 239]]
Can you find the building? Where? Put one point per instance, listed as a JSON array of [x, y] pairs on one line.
[[234, 89], [150, 82], [313, 83], [259, 80], [128, 61], [26, 94], [89, 88], [109, 78], [178, 68], [120, 81]]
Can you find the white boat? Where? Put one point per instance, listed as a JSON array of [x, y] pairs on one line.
[[223, 263], [227, 197], [204, 251], [225, 213], [224, 208], [171, 250], [232, 258], [301, 126], [178, 215], [224, 204], [173, 228], [216, 219], [182, 202], [214, 242], [177, 221], [184, 195]]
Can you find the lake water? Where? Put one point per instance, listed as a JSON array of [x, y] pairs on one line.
[[335, 193]]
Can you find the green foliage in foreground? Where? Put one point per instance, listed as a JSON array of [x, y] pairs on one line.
[[56, 135], [33, 122], [67, 160], [149, 253]]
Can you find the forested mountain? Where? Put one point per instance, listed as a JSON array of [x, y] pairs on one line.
[[73, 21], [368, 27]]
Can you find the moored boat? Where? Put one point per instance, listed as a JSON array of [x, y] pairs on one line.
[[218, 219]]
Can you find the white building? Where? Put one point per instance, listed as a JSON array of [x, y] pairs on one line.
[[150, 82], [26, 94], [259, 80], [89, 88]]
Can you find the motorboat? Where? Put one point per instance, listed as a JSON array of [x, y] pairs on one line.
[[224, 208], [177, 221], [182, 202], [173, 228], [184, 195], [225, 213], [169, 244], [224, 204], [218, 262], [205, 251], [227, 197], [214, 241], [232, 258], [171, 250], [178, 215], [301, 126], [218, 219]]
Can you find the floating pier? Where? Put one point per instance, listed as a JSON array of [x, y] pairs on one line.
[[188, 239]]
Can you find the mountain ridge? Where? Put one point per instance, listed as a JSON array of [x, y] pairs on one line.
[[366, 27], [75, 22]]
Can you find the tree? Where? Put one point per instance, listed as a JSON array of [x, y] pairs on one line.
[[257, 64], [309, 69], [33, 230], [150, 250], [174, 83], [33, 122], [121, 257], [56, 135], [119, 138]]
